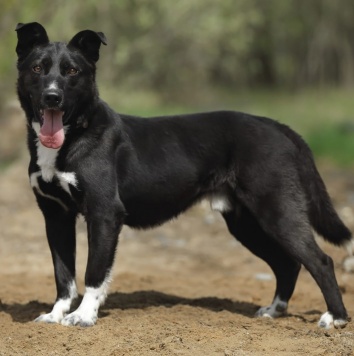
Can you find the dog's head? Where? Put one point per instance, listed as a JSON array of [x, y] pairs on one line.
[[56, 82]]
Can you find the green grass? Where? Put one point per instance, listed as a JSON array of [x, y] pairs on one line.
[[325, 118], [333, 142]]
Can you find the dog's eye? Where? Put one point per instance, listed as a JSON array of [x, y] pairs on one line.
[[37, 69], [72, 71]]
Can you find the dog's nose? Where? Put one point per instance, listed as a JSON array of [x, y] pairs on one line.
[[52, 99]]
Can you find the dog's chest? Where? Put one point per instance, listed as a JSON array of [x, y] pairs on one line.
[[48, 172]]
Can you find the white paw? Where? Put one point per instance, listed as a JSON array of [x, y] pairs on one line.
[[268, 312], [340, 323], [50, 318], [60, 308], [276, 309], [264, 312], [77, 319], [86, 314], [327, 322]]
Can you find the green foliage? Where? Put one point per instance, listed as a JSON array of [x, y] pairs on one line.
[[189, 46]]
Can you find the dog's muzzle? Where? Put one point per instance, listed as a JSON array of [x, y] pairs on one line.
[[51, 133]]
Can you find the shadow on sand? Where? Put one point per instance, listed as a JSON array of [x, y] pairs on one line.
[[137, 300]]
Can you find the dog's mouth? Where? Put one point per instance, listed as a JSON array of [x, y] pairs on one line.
[[51, 133]]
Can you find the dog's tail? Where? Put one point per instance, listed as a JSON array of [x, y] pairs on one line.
[[323, 218]]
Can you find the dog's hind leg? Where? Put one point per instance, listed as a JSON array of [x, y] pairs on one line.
[[60, 228], [246, 229], [283, 216]]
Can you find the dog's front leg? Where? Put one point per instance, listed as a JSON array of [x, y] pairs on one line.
[[103, 230], [60, 228]]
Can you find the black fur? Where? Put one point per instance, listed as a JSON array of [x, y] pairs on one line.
[[143, 172]]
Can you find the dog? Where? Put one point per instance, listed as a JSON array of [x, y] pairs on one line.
[[116, 169]]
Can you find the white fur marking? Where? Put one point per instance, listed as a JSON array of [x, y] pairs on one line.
[[326, 320], [46, 157], [220, 202], [46, 161], [60, 308], [276, 309], [66, 178], [340, 323], [53, 86], [86, 313], [35, 185]]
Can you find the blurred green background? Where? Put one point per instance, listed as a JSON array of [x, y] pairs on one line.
[[292, 60]]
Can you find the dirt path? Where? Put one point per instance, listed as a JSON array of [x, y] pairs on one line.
[[187, 288]]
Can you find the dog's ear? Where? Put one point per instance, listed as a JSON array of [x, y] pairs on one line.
[[29, 36], [88, 42]]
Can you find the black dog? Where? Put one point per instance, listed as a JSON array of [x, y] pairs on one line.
[[116, 169]]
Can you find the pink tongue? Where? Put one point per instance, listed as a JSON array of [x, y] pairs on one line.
[[52, 132]]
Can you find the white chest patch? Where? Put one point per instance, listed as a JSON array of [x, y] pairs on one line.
[[46, 162]]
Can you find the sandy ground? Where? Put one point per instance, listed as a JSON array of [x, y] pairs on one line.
[[187, 288]]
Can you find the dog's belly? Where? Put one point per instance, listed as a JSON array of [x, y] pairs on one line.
[[143, 212], [152, 215]]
